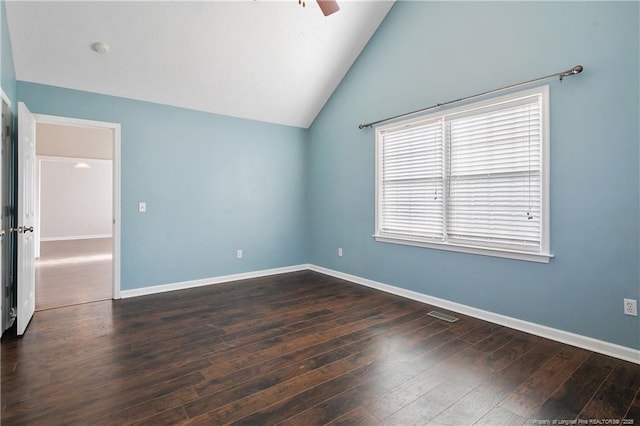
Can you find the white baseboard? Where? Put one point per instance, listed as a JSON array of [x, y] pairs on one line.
[[76, 237], [584, 342], [209, 281]]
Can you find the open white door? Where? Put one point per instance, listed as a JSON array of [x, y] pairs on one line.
[[26, 292]]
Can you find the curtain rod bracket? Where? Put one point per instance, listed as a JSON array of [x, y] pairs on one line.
[[573, 71]]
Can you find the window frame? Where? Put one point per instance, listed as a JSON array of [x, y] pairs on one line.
[[542, 256]]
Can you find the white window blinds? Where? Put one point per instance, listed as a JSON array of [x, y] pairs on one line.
[[471, 177], [413, 181], [494, 185]]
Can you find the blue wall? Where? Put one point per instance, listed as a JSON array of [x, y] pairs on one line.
[[430, 52], [7, 72], [212, 184]]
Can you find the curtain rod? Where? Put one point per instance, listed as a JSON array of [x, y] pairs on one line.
[[573, 71]]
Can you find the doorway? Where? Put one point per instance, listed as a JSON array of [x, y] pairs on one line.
[[77, 205]]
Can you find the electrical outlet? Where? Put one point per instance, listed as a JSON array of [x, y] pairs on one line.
[[340, 251], [631, 307], [142, 207], [239, 254]]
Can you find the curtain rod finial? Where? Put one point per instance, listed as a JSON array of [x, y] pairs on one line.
[[573, 71]]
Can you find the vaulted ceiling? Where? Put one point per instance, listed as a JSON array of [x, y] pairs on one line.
[[273, 61]]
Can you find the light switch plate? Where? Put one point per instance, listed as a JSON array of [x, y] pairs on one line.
[[142, 207]]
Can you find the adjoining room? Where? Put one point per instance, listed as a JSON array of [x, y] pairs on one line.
[[74, 257]]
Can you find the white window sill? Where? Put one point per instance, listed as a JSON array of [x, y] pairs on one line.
[[496, 252]]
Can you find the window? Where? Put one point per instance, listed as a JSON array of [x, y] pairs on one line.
[[471, 179]]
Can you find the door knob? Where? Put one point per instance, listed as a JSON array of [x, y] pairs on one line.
[[21, 229]]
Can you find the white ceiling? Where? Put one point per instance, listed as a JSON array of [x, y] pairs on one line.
[[271, 61]]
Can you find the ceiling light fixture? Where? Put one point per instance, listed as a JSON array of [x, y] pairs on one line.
[[326, 6], [100, 47], [82, 165]]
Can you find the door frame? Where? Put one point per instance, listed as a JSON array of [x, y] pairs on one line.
[[5, 275], [115, 127]]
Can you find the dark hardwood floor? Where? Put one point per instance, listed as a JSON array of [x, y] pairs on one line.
[[298, 349]]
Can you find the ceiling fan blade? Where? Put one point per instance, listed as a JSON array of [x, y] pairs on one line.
[[328, 6]]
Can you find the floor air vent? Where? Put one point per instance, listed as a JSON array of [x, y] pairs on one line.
[[442, 316]]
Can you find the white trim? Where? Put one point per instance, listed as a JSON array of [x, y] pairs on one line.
[[5, 98], [117, 133], [545, 188], [461, 248], [584, 342], [143, 291], [116, 210], [76, 237], [76, 122]]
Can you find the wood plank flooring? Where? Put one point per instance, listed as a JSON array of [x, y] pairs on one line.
[[298, 349], [73, 271]]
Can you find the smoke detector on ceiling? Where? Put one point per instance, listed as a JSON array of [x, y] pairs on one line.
[[100, 47]]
